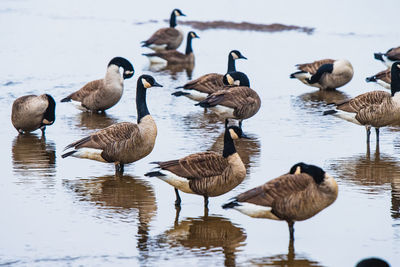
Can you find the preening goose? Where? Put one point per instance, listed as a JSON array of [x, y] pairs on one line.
[[102, 94], [382, 78], [326, 74], [123, 142], [173, 56], [208, 174], [296, 196], [388, 58], [237, 102], [373, 109], [166, 38], [207, 84], [32, 112]]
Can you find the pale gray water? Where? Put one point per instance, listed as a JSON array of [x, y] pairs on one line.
[[75, 212]]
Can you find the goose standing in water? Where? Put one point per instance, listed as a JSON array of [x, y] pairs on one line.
[[296, 196], [172, 57], [388, 58], [237, 102], [32, 112], [123, 142], [325, 74], [207, 84], [166, 38], [373, 109], [207, 173], [102, 94]]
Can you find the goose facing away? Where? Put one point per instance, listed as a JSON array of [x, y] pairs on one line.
[[123, 142], [173, 56], [373, 109], [32, 112], [325, 74], [388, 58], [238, 102], [201, 87], [166, 38], [296, 196], [382, 78], [102, 94], [208, 174]]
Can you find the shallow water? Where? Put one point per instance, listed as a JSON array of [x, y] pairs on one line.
[[75, 212]]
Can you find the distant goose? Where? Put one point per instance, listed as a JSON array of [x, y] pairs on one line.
[[207, 84], [208, 174], [388, 58], [123, 142], [296, 196], [373, 109], [102, 94], [326, 74], [382, 78], [238, 102], [166, 38], [173, 56], [32, 112]]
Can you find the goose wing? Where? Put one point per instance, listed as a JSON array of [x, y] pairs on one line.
[[314, 66], [393, 54], [163, 36], [277, 191], [363, 101], [106, 137], [195, 166], [208, 83], [235, 97], [86, 90]]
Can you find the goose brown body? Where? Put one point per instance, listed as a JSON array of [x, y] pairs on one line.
[[32, 112], [314, 66]]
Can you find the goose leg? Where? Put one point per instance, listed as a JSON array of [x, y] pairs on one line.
[[119, 169], [43, 129], [240, 124], [206, 202], [368, 128], [291, 230], [377, 134], [178, 198]]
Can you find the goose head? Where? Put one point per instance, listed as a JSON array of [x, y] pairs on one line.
[[177, 12], [125, 64], [235, 54], [315, 172], [236, 78], [148, 81]]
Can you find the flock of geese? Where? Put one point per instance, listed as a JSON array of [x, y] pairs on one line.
[[295, 196]]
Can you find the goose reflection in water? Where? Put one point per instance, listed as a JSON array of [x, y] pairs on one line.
[[290, 259], [206, 235], [120, 195], [32, 154], [173, 70], [322, 97], [372, 172], [94, 121]]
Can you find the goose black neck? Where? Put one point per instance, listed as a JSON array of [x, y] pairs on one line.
[[189, 44], [229, 145], [172, 20], [231, 63], [49, 114], [395, 83], [141, 104]]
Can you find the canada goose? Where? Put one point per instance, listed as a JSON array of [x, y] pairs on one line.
[[207, 84], [325, 74], [99, 95], [296, 196], [373, 109], [32, 112], [382, 78], [166, 38], [173, 56], [207, 173], [238, 102], [123, 142], [388, 58]]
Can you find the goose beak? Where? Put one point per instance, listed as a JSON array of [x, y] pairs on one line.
[[244, 136], [156, 84], [243, 57], [183, 15]]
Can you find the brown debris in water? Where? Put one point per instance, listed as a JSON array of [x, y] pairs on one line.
[[245, 26]]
